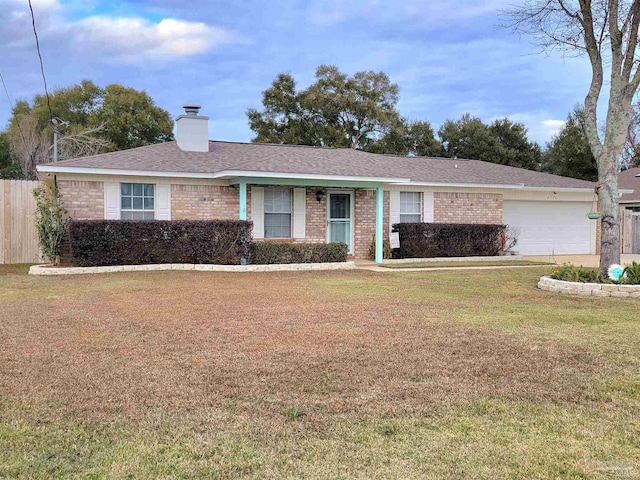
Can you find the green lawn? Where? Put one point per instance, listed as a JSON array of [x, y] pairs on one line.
[[351, 374], [488, 263]]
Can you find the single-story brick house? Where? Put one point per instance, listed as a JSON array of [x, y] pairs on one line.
[[314, 194]]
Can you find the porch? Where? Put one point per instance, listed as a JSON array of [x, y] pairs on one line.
[[321, 210]]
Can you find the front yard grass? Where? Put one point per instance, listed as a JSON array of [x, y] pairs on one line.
[[347, 374]]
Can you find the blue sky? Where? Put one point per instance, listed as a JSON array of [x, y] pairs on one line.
[[448, 57]]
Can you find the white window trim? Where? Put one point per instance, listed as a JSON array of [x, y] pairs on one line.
[[265, 213], [132, 210], [421, 209]]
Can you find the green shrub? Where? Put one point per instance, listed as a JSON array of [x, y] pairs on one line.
[[266, 253], [428, 240], [142, 242], [51, 223], [571, 273], [631, 274]]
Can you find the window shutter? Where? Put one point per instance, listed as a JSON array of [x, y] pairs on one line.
[[427, 201], [112, 201], [299, 212], [257, 211], [163, 201], [394, 208]]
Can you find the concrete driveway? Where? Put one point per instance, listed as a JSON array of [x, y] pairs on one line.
[[583, 260]]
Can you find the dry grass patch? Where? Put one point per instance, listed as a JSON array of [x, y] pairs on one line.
[[316, 374]]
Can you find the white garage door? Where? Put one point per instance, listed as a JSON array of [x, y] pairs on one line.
[[560, 228]]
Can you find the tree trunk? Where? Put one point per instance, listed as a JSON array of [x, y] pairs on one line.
[[608, 198]]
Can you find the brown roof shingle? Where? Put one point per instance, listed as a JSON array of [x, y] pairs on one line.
[[297, 159]]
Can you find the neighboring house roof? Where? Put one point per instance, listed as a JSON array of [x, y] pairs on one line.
[[226, 159], [627, 180]]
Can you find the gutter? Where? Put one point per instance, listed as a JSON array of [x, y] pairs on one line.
[[229, 174]]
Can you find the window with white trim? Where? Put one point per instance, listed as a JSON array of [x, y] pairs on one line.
[[277, 213], [410, 207], [137, 201]]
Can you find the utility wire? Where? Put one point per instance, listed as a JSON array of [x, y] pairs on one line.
[[44, 78], [4, 85]]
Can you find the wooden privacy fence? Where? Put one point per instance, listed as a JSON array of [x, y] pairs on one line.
[[18, 238]]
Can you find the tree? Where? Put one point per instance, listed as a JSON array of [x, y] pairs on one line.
[[335, 111], [569, 153], [504, 142], [606, 31], [415, 139], [8, 167], [131, 118], [28, 144], [120, 116]]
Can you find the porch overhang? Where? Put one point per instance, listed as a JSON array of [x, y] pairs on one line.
[[376, 184]]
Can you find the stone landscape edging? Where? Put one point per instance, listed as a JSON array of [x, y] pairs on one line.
[[497, 258], [281, 267], [589, 289]]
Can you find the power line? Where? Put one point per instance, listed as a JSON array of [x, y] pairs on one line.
[[44, 78]]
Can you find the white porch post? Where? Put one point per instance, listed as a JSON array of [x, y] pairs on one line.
[[243, 200], [379, 218]]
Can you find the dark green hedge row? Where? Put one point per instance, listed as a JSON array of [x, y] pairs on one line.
[[429, 240], [264, 253], [139, 242]]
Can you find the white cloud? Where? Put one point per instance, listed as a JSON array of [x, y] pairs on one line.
[[135, 38], [122, 39], [552, 127]]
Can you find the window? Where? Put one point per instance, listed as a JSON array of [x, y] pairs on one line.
[[410, 207], [277, 213], [137, 201]]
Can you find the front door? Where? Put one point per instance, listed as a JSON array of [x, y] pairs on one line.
[[340, 218]]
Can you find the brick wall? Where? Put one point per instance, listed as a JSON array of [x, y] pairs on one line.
[[454, 207], [365, 222], [316, 216], [204, 202], [83, 200]]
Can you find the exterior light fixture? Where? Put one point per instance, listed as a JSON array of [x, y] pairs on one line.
[[319, 195]]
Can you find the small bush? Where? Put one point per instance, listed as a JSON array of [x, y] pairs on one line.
[[266, 253], [571, 273], [140, 242], [51, 223], [631, 274], [429, 240]]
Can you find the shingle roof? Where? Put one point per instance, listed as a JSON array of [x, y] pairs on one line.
[[627, 180], [296, 159]]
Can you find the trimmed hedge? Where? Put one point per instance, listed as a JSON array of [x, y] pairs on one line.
[[429, 240], [265, 253], [140, 242]]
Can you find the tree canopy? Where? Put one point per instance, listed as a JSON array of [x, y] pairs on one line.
[[503, 141], [338, 110], [128, 117], [94, 120], [569, 153]]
